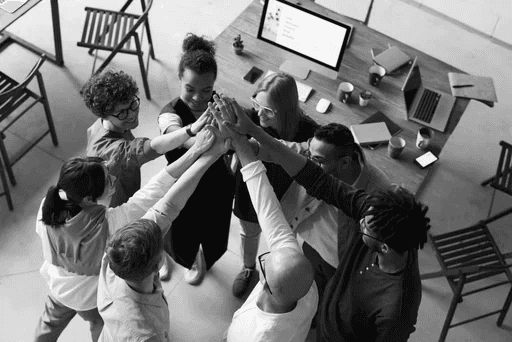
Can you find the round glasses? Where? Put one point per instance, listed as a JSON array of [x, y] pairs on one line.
[[363, 225], [269, 112], [134, 105]]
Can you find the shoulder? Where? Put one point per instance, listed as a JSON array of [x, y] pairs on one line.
[[171, 106], [307, 128]]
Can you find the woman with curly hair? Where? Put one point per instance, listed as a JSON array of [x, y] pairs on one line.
[[213, 197], [112, 96]]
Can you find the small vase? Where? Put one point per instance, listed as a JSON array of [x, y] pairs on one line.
[[238, 49]]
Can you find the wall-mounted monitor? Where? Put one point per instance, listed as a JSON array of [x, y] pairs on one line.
[[316, 41]]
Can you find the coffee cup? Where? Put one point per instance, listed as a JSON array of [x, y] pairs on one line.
[[345, 89], [395, 146], [424, 137], [376, 74], [364, 98]]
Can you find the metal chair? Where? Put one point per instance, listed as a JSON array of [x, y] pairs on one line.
[[12, 96], [502, 181], [467, 256], [116, 31]]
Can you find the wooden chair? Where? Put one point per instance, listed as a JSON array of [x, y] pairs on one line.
[[467, 256], [502, 181], [12, 96], [116, 31]]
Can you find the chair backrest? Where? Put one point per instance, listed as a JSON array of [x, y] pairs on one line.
[[143, 17], [12, 93], [472, 251], [503, 179]]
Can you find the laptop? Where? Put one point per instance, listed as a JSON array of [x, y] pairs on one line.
[[426, 106], [11, 6]]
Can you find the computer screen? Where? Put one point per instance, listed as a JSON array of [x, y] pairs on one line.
[[307, 34], [412, 84]]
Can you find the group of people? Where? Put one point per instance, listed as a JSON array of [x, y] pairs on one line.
[[342, 241]]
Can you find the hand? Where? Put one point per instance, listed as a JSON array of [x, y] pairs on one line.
[[221, 144], [203, 120], [225, 107], [243, 123], [204, 140]]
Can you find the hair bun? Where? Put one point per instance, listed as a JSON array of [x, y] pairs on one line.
[[193, 42]]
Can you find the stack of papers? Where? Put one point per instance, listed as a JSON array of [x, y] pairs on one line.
[[370, 133], [473, 87]]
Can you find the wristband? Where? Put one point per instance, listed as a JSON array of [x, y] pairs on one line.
[[189, 130]]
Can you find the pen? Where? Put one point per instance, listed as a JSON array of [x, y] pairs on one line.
[[462, 86]]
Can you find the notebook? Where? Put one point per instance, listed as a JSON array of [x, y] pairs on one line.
[[391, 59], [370, 133], [11, 5], [381, 117], [424, 105], [473, 87]]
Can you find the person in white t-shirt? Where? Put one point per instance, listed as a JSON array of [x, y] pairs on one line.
[[283, 304]]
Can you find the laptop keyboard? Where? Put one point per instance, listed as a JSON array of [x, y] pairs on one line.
[[427, 106]]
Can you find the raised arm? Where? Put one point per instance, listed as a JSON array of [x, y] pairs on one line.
[[169, 206], [156, 188]]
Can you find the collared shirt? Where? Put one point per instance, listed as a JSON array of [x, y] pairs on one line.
[[130, 315], [317, 222]]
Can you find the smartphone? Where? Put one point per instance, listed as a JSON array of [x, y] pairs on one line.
[[426, 159], [253, 74]]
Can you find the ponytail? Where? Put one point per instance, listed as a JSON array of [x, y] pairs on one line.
[[56, 210]]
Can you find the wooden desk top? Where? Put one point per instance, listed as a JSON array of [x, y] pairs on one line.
[[7, 18], [387, 98]]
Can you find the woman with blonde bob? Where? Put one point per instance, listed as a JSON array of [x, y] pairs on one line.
[[276, 108]]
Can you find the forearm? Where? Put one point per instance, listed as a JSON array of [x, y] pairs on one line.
[[170, 140], [270, 216], [187, 143], [291, 161], [178, 167]]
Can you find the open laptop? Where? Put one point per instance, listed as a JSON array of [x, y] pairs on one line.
[[11, 6], [429, 107]]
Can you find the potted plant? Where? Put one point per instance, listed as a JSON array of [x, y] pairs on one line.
[[238, 44]]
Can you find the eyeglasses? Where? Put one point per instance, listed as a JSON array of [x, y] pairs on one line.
[[364, 226], [261, 259], [134, 105], [269, 112]]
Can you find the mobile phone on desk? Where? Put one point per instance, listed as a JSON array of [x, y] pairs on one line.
[[253, 74], [426, 159]]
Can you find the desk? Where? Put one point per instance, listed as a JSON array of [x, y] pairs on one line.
[[387, 98], [7, 38]]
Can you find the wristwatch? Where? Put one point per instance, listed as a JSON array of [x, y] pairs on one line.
[[188, 129]]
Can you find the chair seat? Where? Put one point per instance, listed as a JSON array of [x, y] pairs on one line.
[[104, 29], [11, 104]]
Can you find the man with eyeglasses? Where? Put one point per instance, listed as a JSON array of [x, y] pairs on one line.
[[322, 228], [375, 292], [282, 305], [112, 96]]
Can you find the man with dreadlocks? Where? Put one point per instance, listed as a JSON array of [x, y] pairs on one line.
[[375, 292]]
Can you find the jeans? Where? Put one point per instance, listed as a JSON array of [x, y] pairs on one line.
[[250, 239], [56, 317]]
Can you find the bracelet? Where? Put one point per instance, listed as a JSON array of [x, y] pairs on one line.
[[189, 130]]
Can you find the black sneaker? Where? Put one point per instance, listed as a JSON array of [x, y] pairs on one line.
[[242, 281]]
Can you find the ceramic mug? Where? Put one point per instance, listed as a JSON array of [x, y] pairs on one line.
[[345, 89], [424, 137]]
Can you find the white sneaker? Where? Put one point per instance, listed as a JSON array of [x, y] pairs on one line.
[[195, 275], [165, 270]]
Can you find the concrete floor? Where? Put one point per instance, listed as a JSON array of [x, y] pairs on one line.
[[453, 192]]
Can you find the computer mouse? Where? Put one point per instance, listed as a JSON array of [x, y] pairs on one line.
[[323, 105]]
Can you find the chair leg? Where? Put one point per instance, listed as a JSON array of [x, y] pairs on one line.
[[487, 181], [47, 110], [150, 40], [7, 162], [142, 69], [451, 311], [7, 191], [506, 306], [492, 202]]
